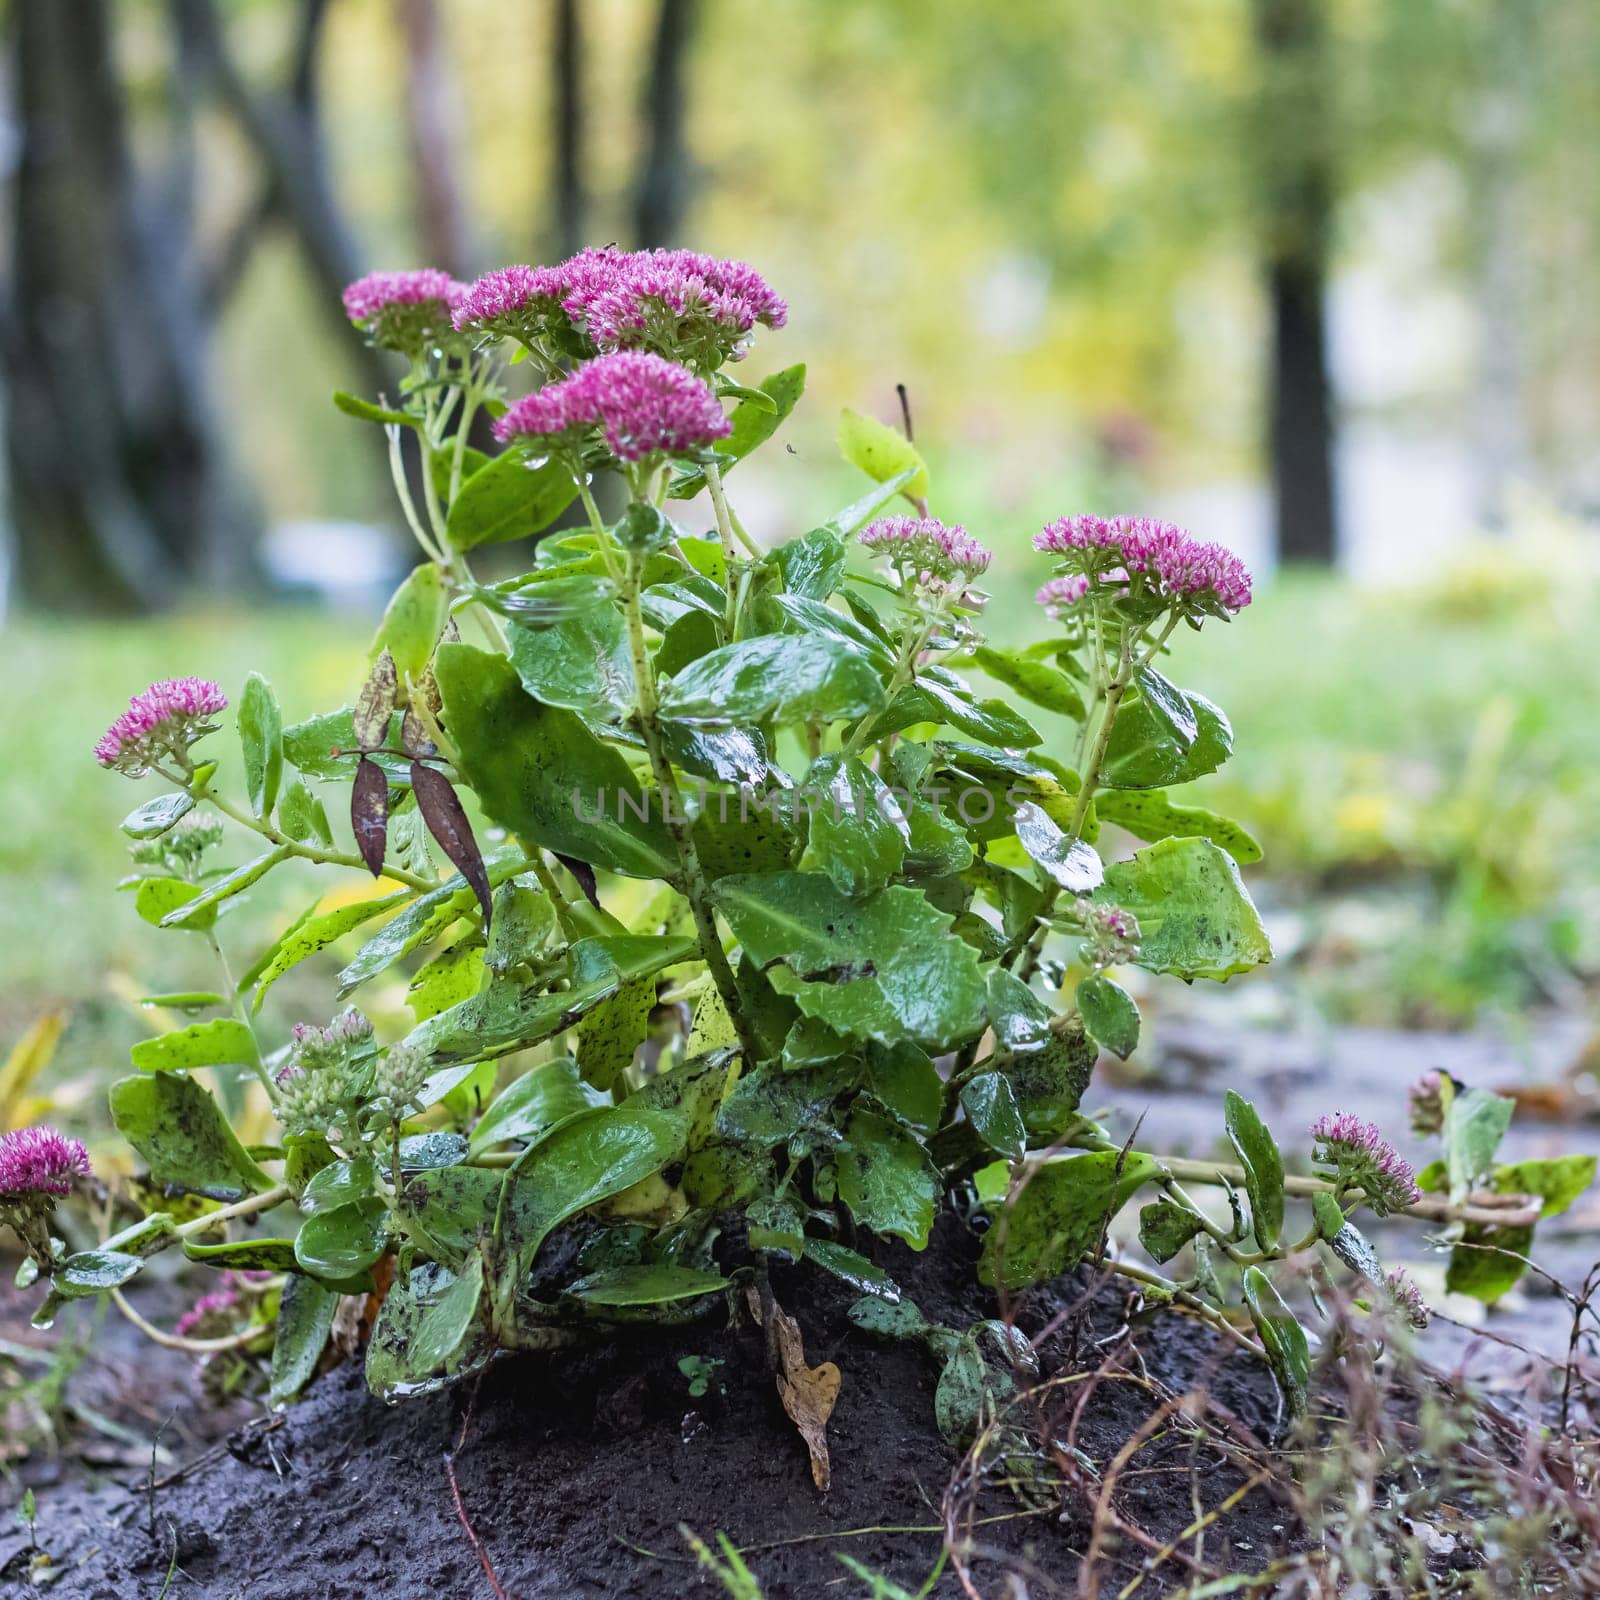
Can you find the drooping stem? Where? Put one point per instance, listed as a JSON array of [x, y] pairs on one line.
[[730, 552], [241, 1012], [677, 821]]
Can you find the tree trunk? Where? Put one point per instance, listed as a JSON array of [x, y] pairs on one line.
[[433, 126], [566, 132], [662, 196], [120, 491], [1293, 144]]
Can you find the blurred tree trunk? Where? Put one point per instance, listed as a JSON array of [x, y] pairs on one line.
[[433, 126], [120, 490], [1293, 135], [665, 178], [566, 131]]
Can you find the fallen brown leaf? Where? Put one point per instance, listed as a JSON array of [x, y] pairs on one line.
[[809, 1394]]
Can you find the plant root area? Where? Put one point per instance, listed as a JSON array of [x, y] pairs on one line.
[[582, 1473]]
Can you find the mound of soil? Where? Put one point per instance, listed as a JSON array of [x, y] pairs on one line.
[[578, 1469]]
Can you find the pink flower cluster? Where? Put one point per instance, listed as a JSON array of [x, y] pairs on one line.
[[1059, 595], [163, 720], [39, 1161], [405, 311], [1363, 1158], [212, 1306], [1132, 552], [642, 403], [926, 550], [1113, 935], [694, 308]]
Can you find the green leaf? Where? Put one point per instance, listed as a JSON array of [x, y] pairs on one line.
[[309, 746], [1164, 735], [201, 911], [858, 513], [582, 663], [244, 1255], [305, 1319], [302, 816], [184, 1138], [612, 1032], [775, 1104], [534, 1103], [339, 1183], [932, 699], [584, 1161], [157, 898], [1473, 1128], [1195, 916], [1329, 1215], [901, 1076], [813, 616], [643, 528], [342, 1241], [317, 933], [811, 566], [1109, 1014], [220, 1042], [882, 453], [775, 677], [851, 1267], [428, 1331], [155, 817], [753, 425], [354, 406], [508, 499], [90, 1272], [1282, 1338], [524, 923], [261, 736], [991, 1108], [1263, 1167], [1036, 681], [1485, 1263], [413, 621], [1165, 1227], [882, 968], [1057, 1218], [857, 835], [1557, 1180], [1075, 865], [1148, 814], [646, 1284], [449, 978], [542, 775], [964, 1400], [886, 1179]]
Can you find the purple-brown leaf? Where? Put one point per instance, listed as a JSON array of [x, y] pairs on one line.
[[447, 821], [584, 873], [369, 814], [375, 704]]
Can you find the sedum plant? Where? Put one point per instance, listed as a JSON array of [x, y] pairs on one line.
[[746, 914]]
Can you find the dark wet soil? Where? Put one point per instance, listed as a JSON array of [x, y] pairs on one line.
[[578, 1470]]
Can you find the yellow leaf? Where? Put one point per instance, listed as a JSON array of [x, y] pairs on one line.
[[27, 1060]]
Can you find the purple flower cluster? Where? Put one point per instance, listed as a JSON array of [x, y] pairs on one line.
[[1362, 1158], [927, 551], [1113, 936], [1425, 1102], [642, 403], [35, 1162], [1406, 1298], [209, 1309], [163, 720], [1141, 553], [693, 308], [410, 312]]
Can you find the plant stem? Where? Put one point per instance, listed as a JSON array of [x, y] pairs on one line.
[[241, 1013], [176, 1341], [905, 670], [247, 1207], [730, 553], [305, 852], [608, 553], [677, 821]]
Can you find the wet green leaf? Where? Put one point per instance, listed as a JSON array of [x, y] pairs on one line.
[[508, 499], [540, 773], [530, 1105], [1165, 1227], [775, 677], [342, 1241], [646, 1284], [184, 1138], [882, 453], [220, 1042], [91, 1272], [155, 817], [857, 834], [886, 1179], [1165, 735], [1109, 1014], [1196, 918], [244, 1255], [428, 1330], [1282, 1338], [1046, 686], [413, 621], [853, 1268], [1074, 864], [991, 1108], [261, 736], [1058, 1216], [1148, 814], [581, 663], [1258, 1154], [305, 1319], [753, 424], [882, 968], [318, 932]]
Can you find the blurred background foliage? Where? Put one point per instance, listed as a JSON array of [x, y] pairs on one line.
[[1311, 276]]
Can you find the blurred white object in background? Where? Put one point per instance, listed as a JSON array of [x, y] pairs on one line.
[[343, 564]]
